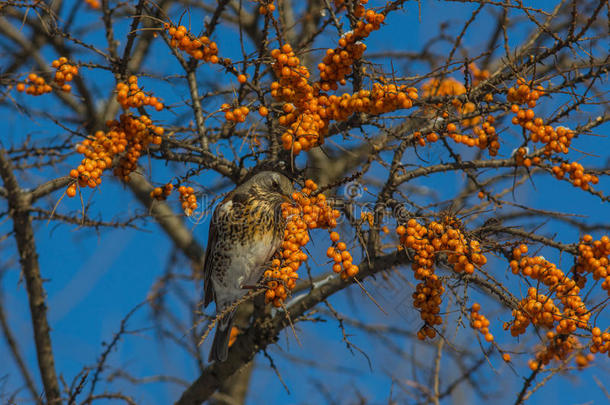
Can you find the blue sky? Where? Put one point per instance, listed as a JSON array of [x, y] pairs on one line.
[[93, 280]]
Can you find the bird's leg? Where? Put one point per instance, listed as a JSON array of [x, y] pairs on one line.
[[249, 287]]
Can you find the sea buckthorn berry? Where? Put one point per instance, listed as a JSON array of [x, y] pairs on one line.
[[242, 78], [71, 191], [94, 4]]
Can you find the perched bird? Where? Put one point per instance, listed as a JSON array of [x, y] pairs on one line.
[[246, 230]]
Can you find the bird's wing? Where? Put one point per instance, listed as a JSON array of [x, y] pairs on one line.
[[218, 224], [209, 264]]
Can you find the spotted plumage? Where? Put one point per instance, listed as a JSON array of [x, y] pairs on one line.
[[245, 231]]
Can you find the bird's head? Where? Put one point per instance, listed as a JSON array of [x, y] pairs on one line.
[[272, 185]]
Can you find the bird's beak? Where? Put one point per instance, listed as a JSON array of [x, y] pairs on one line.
[[287, 198]]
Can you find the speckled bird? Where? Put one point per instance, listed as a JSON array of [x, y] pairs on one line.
[[246, 230]]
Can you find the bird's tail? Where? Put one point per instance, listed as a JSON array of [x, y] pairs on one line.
[[220, 346]]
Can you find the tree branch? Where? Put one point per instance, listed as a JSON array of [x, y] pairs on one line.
[[264, 331], [19, 204]]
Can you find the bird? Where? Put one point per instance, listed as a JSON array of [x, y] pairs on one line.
[[246, 230]]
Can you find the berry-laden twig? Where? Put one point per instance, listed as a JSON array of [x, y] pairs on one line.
[[309, 211], [426, 243]]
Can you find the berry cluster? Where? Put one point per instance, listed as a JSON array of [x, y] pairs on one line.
[[128, 136], [283, 271], [199, 48], [522, 160], [600, 342], [480, 323], [34, 85], [188, 199], [237, 114], [421, 141], [577, 175], [444, 237], [342, 258], [129, 95], [559, 347], [381, 99], [594, 258], [537, 309], [308, 110], [445, 87], [302, 114], [427, 299], [426, 243], [485, 135], [98, 154], [140, 132], [308, 212], [467, 109], [337, 63], [161, 193], [65, 73], [540, 309], [556, 140], [523, 93], [478, 75]]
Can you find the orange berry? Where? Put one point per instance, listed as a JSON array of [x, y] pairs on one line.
[[242, 78], [334, 236]]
